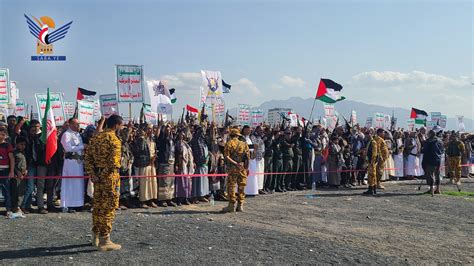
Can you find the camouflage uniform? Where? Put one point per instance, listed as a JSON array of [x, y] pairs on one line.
[[382, 156], [372, 167], [454, 151], [239, 152], [102, 160]]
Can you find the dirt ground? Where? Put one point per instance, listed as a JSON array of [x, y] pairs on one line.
[[399, 226]]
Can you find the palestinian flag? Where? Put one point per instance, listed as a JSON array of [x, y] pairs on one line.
[[329, 91], [83, 93], [173, 95], [419, 116], [192, 110], [48, 131], [225, 87]]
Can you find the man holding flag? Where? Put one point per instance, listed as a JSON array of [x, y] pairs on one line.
[[48, 147]]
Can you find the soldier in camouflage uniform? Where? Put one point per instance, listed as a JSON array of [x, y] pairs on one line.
[[383, 155], [377, 153], [102, 164], [237, 156], [454, 151]]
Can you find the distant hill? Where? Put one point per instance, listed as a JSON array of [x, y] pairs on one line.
[[303, 107]]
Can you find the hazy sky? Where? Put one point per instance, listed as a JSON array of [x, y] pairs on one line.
[[393, 53]]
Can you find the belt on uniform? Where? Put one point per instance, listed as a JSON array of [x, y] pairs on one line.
[[73, 156]]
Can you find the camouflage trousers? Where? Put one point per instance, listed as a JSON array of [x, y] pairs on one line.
[[239, 179], [455, 167], [106, 201], [374, 172]]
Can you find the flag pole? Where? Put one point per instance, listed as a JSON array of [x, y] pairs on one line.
[[214, 112], [312, 109]]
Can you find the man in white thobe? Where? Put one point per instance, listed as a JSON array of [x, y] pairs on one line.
[[72, 189]]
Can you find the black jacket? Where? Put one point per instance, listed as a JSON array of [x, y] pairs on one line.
[[165, 149], [36, 155], [141, 153]]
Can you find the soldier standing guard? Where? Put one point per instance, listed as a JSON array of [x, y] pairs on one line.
[[383, 155], [237, 156], [454, 151], [377, 153], [103, 164]]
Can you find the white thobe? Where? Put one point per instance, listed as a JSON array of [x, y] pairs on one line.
[[413, 163], [72, 189], [398, 160], [252, 182]]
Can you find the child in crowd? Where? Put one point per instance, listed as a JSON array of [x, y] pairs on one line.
[[7, 165], [17, 184]]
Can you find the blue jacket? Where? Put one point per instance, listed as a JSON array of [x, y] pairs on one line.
[[432, 151]]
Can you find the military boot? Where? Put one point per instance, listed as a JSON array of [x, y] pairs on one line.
[[229, 208], [369, 191], [240, 207], [105, 244]]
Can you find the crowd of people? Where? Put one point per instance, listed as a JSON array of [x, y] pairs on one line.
[[280, 159]]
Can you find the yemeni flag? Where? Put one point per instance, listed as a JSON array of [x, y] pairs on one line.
[[419, 116], [173, 95], [225, 87], [329, 91], [83, 93], [48, 131], [193, 111]]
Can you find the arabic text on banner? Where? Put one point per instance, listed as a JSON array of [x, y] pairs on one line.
[[97, 111], [4, 85], [435, 117], [20, 108], [129, 83], [411, 124], [379, 120], [329, 109], [109, 104], [257, 117], [244, 114], [85, 113], [69, 108], [13, 95], [56, 105], [443, 121], [330, 115], [150, 116]]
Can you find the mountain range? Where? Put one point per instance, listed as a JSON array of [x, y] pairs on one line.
[[303, 107]]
